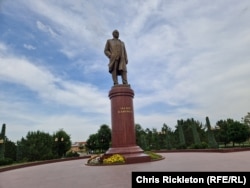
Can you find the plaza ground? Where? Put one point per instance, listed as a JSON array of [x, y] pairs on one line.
[[76, 174]]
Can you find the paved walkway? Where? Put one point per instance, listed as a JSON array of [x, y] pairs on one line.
[[76, 174]]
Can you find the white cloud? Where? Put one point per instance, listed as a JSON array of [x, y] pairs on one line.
[[45, 28], [40, 80], [29, 47]]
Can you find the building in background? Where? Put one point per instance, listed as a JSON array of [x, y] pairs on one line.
[[78, 147]]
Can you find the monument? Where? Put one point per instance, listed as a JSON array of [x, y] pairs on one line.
[[122, 112]]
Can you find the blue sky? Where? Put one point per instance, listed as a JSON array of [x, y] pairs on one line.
[[187, 59]]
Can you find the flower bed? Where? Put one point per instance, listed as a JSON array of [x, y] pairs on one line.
[[117, 159], [103, 160]]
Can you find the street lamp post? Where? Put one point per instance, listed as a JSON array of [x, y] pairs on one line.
[[59, 145]]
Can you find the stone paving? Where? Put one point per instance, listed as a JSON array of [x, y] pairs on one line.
[[76, 174]]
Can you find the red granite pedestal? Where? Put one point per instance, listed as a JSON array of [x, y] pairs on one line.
[[123, 126]]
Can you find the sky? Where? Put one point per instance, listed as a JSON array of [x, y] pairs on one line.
[[186, 59]]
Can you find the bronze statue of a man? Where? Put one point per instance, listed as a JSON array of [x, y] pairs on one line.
[[116, 52]]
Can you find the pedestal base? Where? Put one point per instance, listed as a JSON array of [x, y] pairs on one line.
[[132, 154]]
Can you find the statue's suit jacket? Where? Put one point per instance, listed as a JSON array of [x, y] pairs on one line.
[[115, 50]]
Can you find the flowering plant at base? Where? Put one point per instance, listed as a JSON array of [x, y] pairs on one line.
[[102, 159], [114, 159]]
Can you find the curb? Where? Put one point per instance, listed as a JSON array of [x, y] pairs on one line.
[[13, 167]]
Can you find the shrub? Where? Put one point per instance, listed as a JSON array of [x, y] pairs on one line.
[[72, 154], [181, 146], [202, 145], [6, 161]]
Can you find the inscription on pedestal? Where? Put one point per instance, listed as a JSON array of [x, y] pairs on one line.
[[125, 109]]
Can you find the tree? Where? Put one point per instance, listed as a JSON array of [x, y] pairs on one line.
[[140, 137], [104, 137], [211, 140], [197, 140], [36, 146], [2, 141], [62, 143], [10, 149], [182, 143], [138, 130], [238, 132], [91, 143], [232, 131], [148, 139], [167, 133], [222, 127], [155, 139], [100, 141], [246, 119]]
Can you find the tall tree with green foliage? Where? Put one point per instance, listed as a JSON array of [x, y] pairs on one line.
[[197, 140], [36, 146], [100, 141], [91, 143], [148, 139], [182, 143], [246, 119], [238, 132], [167, 132], [140, 137], [104, 137], [10, 149], [155, 139], [211, 140], [222, 129], [193, 131], [232, 131], [2, 141]]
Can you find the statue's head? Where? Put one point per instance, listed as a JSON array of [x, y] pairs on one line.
[[116, 34]]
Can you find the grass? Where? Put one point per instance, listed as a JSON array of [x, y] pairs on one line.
[[153, 156]]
